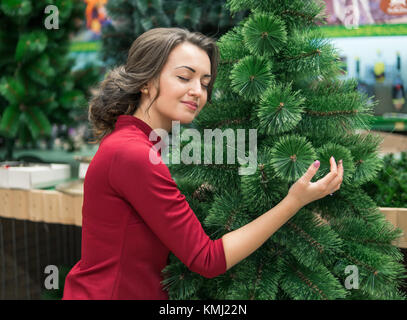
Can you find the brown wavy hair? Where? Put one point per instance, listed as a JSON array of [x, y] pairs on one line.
[[119, 93]]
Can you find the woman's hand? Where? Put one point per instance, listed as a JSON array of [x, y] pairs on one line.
[[240, 243], [304, 191]]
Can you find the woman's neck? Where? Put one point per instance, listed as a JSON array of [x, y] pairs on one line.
[[154, 120]]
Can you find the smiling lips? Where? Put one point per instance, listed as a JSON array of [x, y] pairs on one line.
[[192, 105]]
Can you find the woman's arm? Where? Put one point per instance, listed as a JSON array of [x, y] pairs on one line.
[[240, 243]]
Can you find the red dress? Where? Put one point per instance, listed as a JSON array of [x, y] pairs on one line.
[[133, 215]]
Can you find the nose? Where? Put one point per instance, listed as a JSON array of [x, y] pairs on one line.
[[196, 88]]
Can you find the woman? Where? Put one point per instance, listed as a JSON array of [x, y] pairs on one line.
[[133, 212]]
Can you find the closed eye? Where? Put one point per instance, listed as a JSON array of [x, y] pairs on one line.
[[186, 80]]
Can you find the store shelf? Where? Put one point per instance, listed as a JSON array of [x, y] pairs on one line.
[[391, 124], [53, 156]]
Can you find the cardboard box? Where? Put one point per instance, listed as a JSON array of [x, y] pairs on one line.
[[6, 203], [34, 177], [53, 206], [392, 142], [37, 205], [398, 218]]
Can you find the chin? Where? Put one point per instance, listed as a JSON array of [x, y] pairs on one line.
[[186, 119]]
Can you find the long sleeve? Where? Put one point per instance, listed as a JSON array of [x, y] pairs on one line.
[[155, 197]]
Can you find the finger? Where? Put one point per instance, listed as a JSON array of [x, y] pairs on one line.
[[336, 183], [331, 175], [312, 170], [334, 186], [334, 167], [340, 169]]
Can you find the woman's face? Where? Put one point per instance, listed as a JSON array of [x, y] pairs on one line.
[[183, 84]]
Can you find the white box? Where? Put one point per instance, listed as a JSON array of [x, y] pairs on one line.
[[34, 177], [83, 167], [3, 178]]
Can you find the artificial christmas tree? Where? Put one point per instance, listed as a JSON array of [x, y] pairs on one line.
[[37, 88], [280, 76], [131, 18]]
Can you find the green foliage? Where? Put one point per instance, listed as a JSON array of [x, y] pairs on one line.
[[265, 184], [36, 82], [338, 152], [12, 89], [309, 56], [276, 116], [222, 217], [181, 281], [389, 187], [30, 44], [10, 119], [279, 75], [257, 277], [291, 156], [16, 7], [37, 122], [264, 34], [302, 283], [251, 76], [132, 18]]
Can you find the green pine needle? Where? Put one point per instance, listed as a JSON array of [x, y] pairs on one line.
[[181, 280], [280, 110], [264, 34], [291, 157], [339, 153], [16, 9], [251, 76]]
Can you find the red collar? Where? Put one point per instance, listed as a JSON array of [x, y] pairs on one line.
[[126, 120]]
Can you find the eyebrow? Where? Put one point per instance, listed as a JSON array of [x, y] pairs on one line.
[[205, 76]]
